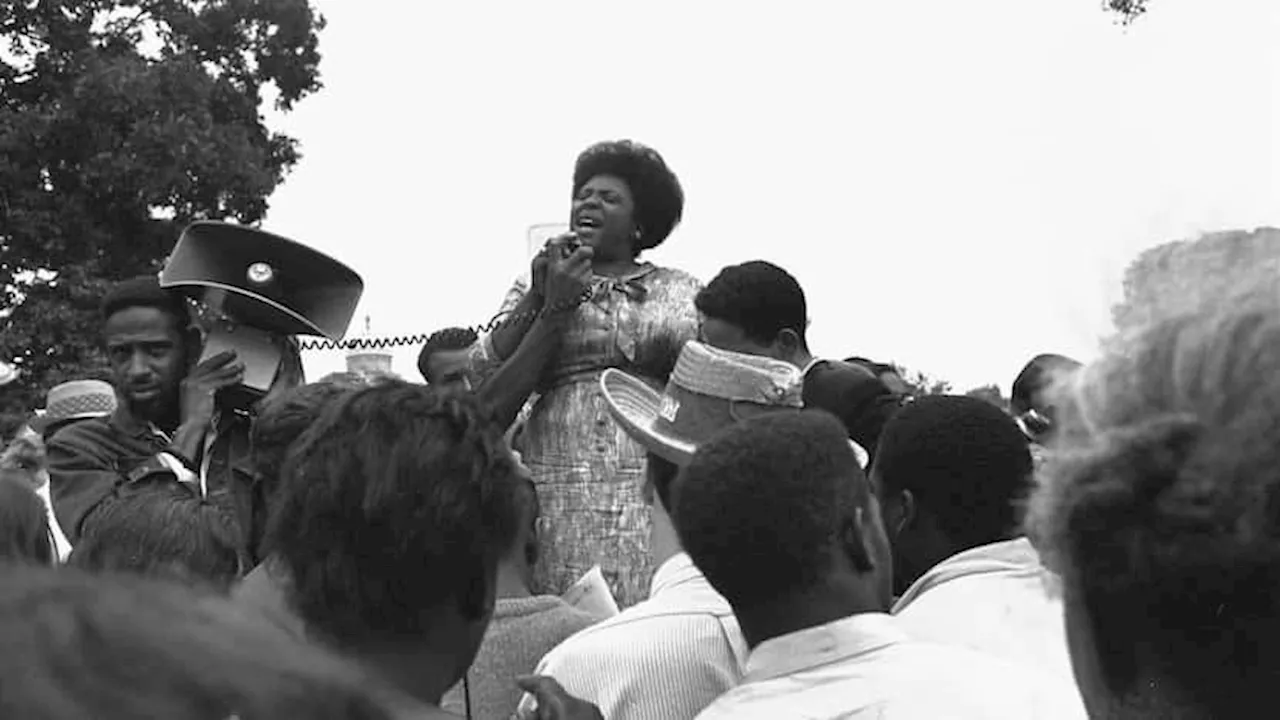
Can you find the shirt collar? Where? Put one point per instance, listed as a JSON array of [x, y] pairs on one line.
[[677, 570], [1006, 556], [816, 646], [125, 421]]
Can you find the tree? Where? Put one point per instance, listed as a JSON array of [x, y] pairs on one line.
[[1178, 275], [921, 384], [120, 122], [992, 394], [1129, 10]]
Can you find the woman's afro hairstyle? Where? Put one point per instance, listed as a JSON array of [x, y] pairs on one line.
[[659, 199]]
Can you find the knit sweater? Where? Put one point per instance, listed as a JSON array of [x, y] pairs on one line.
[[521, 632]]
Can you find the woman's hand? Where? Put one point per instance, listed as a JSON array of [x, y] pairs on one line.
[[567, 277], [559, 247]]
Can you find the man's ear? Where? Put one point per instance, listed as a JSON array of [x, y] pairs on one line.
[[857, 540], [899, 513]]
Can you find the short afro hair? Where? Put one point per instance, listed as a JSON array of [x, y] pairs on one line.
[[656, 190], [964, 460], [453, 338], [394, 503], [757, 296], [145, 291], [761, 506]]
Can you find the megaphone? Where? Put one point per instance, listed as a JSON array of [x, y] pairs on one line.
[[253, 289]]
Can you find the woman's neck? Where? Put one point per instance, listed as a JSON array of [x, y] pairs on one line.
[[614, 267]]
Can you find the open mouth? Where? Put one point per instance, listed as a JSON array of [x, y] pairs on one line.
[[587, 223], [147, 393]]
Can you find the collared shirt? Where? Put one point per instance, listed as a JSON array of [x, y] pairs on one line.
[[663, 659], [864, 666], [60, 545], [997, 599]]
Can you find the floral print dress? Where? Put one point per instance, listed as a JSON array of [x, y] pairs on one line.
[[588, 471]]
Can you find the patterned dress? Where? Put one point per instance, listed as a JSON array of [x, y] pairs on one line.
[[589, 473]]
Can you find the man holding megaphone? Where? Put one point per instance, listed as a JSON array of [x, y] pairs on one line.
[[193, 354]]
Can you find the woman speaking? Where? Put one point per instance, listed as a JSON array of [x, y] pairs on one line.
[[626, 314]]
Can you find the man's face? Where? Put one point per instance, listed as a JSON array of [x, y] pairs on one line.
[[148, 357], [449, 369], [725, 336]]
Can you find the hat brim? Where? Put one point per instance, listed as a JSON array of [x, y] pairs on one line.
[[45, 423], [636, 406]]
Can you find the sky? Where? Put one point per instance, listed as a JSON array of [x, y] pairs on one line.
[[958, 186]]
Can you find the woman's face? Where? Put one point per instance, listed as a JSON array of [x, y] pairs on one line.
[[603, 216]]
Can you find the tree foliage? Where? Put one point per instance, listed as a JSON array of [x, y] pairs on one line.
[[1129, 10], [922, 384], [992, 394], [1177, 275], [120, 122]]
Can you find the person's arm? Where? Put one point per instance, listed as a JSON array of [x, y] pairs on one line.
[[79, 480], [505, 340], [507, 389]]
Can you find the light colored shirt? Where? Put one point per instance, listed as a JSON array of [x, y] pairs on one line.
[[864, 666], [663, 659], [997, 599]]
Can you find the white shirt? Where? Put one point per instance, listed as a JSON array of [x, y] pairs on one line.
[[663, 659], [997, 599], [864, 666]]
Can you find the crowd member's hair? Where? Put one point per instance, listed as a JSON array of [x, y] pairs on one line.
[[24, 524], [163, 532], [761, 507], [117, 648], [964, 461], [452, 338], [280, 422], [877, 368], [145, 291], [24, 454], [1040, 374], [1161, 508], [655, 189], [757, 296], [521, 538], [394, 502]]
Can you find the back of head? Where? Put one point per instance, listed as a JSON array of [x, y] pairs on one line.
[[392, 507], [160, 532], [965, 463], [1037, 379], [144, 291], [24, 524], [761, 507], [117, 648], [1161, 508], [757, 296]]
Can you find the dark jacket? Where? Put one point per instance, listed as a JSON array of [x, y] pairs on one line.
[[95, 460]]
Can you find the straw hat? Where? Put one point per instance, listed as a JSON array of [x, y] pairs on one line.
[[75, 400], [709, 390]]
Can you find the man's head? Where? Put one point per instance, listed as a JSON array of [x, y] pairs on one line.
[[887, 373], [161, 532], [149, 343], [281, 421], [755, 308], [1160, 509], [523, 542], [777, 507], [130, 648], [443, 360], [952, 472], [1034, 393], [24, 525], [392, 512], [24, 461]]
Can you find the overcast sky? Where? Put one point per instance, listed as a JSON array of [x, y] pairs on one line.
[[957, 185]]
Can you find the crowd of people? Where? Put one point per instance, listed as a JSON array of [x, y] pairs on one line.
[[786, 535]]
